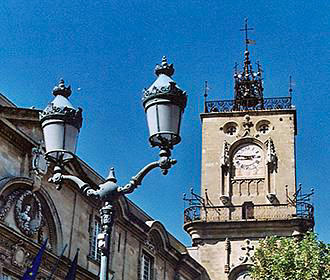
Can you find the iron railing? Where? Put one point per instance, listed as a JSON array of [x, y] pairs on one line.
[[276, 103], [260, 212]]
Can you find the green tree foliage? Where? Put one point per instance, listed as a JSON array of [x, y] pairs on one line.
[[283, 258]]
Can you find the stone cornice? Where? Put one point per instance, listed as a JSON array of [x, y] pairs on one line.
[[15, 136], [23, 114], [252, 113], [236, 229]]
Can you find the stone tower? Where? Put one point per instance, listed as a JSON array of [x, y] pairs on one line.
[[248, 182]]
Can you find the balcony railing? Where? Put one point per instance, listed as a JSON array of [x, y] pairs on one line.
[[248, 105], [256, 212]]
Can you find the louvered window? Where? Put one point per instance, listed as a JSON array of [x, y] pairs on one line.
[[147, 263], [94, 252], [4, 276]]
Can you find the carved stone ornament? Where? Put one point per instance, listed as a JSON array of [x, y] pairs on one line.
[[225, 200], [271, 157], [271, 197], [148, 244], [19, 254], [39, 164], [4, 260], [248, 250], [247, 125], [225, 154], [28, 213], [9, 202]]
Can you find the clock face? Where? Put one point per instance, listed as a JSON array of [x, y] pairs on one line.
[[248, 160]]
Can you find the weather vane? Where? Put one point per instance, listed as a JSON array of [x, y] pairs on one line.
[[206, 90], [290, 86], [247, 40]]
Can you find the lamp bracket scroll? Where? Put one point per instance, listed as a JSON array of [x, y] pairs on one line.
[[110, 190]]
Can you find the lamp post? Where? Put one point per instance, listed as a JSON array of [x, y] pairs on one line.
[[164, 103]]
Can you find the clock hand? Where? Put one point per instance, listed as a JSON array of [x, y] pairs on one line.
[[245, 157], [241, 157]]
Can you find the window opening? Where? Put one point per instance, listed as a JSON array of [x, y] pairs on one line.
[[147, 263], [264, 128], [95, 252], [248, 210], [231, 130]]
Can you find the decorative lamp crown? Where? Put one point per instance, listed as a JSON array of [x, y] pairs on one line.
[[61, 89], [60, 123], [164, 102], [164, 68]]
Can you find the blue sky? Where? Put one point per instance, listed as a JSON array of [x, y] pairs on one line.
[[109, 49]]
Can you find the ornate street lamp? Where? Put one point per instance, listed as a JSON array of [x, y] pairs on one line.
[[61, 123], [164, 103]]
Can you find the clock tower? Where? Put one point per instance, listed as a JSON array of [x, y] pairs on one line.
[[248, 182]]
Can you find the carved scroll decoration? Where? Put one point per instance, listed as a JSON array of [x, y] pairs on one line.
[[39, 167], [149, 245], [39, 164], [9, 202], [19, 255], [248, 248], [224, 160], [271, 157]]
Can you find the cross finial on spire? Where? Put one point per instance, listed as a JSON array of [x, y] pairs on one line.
[[246, 29], [206, 90], [290, 86]]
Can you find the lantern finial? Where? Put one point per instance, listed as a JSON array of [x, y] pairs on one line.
[[164, 68], [61, 89]]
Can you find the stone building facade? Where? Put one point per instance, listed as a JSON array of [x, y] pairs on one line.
[[31, 210], [248, 192], [248, 178]]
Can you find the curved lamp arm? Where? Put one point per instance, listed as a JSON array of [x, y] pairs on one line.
[[109, 190]]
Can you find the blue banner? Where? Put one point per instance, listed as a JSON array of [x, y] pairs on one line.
[[32, 271], [73, 269]]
